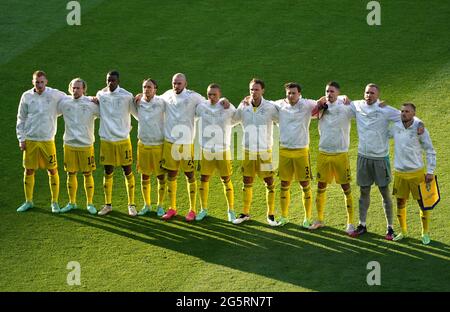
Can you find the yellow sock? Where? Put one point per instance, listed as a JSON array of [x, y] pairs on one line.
[[349, 205], [145, 189], [192, 190], [89, 187], [228, 189], [72, 187], [320, 203], [307, 202], [172, 190], [130, 184], [401, 216], [248, 196], [270, 199], [28, 186], [204, 191], [285, 199], [54, 186], [425, 218], [161, 191], [107, 185]]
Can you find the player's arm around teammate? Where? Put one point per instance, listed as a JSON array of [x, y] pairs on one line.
[[215, 124], [79, 114], [178, 150], [373, 165], [150, 112], [257, 118], [333, 161], [295, 115], [410, 171], [116, 107]]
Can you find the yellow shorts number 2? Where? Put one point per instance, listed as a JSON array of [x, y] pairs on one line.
[[40, 155]]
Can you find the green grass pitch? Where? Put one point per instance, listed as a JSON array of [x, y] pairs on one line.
[[227, 42]]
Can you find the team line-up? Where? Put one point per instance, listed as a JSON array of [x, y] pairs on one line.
[[166, 131]]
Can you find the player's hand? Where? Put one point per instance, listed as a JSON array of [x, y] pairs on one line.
[[320, 104], [346, 100], [22, 145], [420, 128], [321, 101], [225, 103], [382, 104], [95, 100], [247, 100], [137, 98], [429, 177]]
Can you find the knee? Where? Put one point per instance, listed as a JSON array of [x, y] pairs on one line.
[[304, 184], [161, 178], [345, 187], [126, 170], [29, 171], [365, 190], [52, 171], [269, 181], [189, 175], [384, 190], [109, 170], [401, 203], [172, 173], [286, 184]]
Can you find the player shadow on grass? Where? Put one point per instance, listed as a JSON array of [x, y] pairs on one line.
[[326, 259]]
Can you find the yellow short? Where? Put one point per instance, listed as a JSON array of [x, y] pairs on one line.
[[257, 163], [294, 164], [408, 182], [119, 153], [79, 158], [333, 166], [149, 159], [40, 155], [178, 155], [212, 161]]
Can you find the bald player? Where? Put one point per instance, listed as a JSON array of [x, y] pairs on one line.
[[178, 149]]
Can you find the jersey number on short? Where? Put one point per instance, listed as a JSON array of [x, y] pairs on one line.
[[52, 159]]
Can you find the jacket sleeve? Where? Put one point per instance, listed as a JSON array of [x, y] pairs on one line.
[[133, 108], [427, 146], [237, 115], [22, 116]]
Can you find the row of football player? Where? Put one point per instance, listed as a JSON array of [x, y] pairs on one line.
[[166, 131]]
